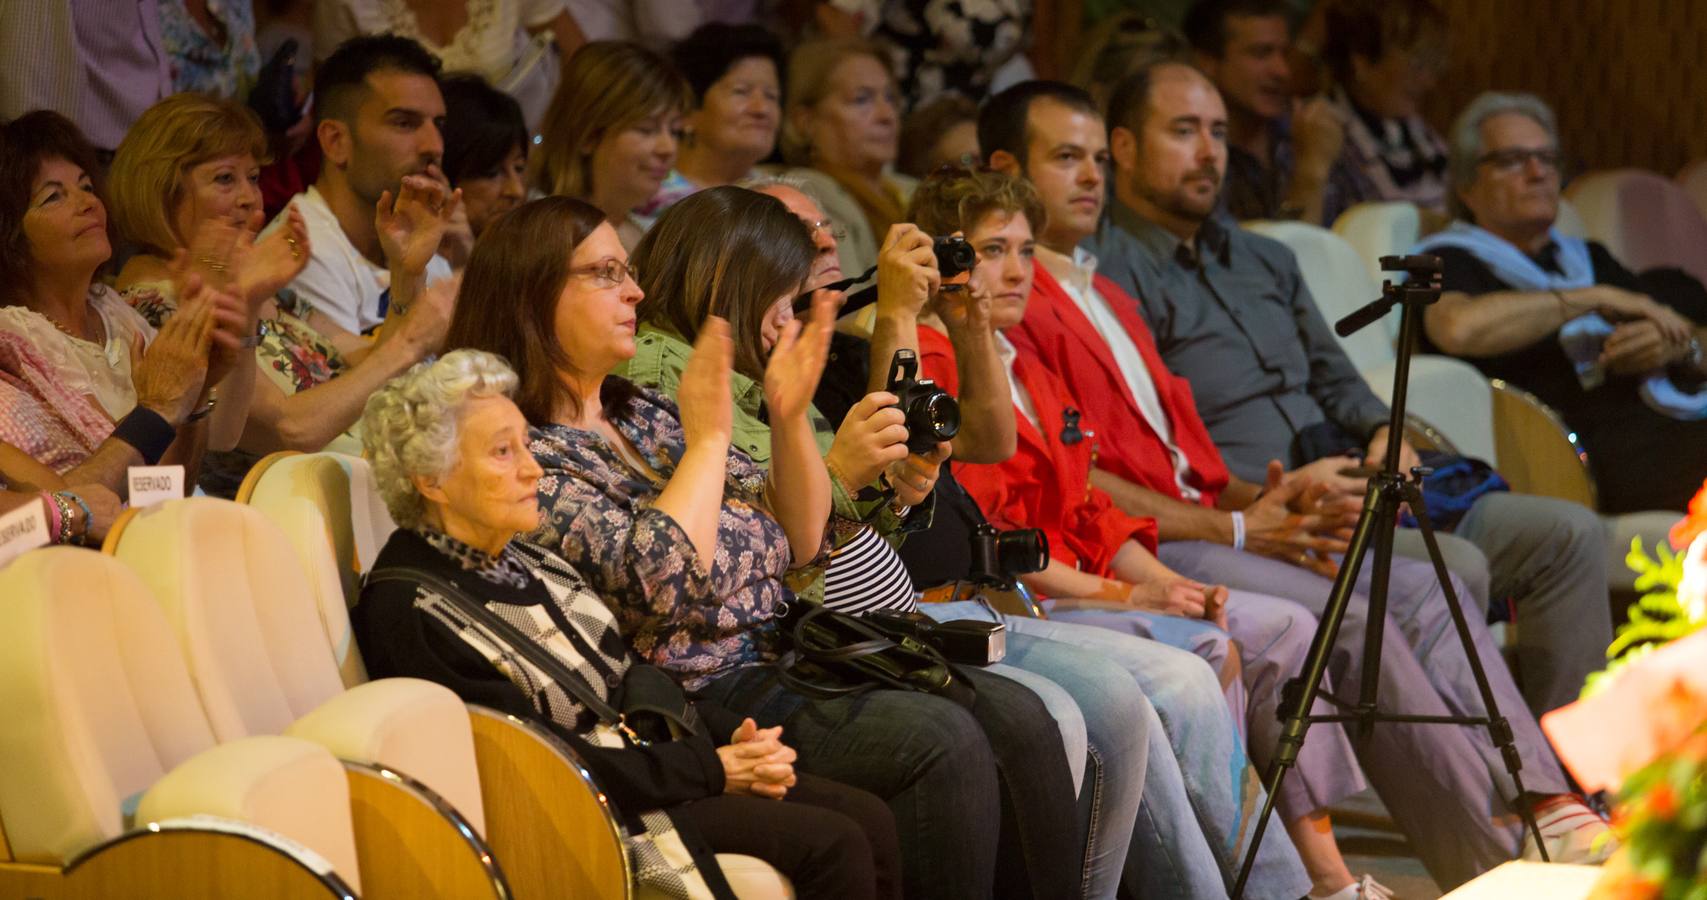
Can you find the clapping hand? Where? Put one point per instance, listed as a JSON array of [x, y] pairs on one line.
[[412, 225], [265, 265], [797, 360], [168, 377], [704, 397], [1298, 521]]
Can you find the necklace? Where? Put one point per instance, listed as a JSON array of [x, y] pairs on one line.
[[68, 332]]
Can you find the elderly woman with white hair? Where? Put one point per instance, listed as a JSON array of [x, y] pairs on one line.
[[456, 599]]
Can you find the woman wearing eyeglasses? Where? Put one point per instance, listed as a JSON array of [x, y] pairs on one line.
[[688, 540]]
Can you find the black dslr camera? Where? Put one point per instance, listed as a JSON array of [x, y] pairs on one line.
[[999, 556], [932, 415], [968, 642], [954, 256]]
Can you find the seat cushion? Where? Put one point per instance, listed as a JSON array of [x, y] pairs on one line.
[[289, 786], [416, 727]]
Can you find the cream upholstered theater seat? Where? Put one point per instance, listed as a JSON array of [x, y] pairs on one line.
[[514, 758], [320, 479], [1375, 230], [299, 495], [97, 719], [1448, 398], [1647, 220], [231, 584], [369, 519]]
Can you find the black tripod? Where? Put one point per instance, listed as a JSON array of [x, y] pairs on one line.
[[1388, 489]]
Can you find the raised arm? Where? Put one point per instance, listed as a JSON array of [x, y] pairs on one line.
[[988, 433], [694, 494], [798, 487], [906, 278]]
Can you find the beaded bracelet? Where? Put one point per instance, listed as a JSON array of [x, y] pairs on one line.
[[88, 517], [66, 515]]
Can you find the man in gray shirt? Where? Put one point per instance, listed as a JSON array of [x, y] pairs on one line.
[[1231, 313]]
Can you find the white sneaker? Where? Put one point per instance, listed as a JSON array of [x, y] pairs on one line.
[[1572, 833], [1365, 888]]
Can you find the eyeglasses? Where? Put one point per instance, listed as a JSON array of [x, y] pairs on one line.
[[1516, 158], [828, 226], [608, 273]]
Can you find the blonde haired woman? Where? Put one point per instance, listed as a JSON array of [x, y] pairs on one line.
[[842, 130], [611, 134], [184, 189]]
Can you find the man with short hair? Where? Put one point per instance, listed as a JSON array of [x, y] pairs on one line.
[[1229, 310], [1281, 152], [378, 115], [1618, 355]]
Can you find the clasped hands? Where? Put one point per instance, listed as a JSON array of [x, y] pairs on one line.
[[756, 762]]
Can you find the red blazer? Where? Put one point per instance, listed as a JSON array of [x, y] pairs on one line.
[[1045, 484], [1056, 334]]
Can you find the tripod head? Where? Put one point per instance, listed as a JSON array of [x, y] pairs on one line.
[[1420, 286]]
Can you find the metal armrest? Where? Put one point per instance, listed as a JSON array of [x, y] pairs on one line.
[[545, 816], [410, 843], [178, 861]]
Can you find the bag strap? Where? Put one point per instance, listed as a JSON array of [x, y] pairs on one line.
[[541, 658]]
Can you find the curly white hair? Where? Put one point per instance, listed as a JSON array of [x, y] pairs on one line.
[[409, 426]]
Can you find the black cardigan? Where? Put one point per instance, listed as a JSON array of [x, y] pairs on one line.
[[397, 639]]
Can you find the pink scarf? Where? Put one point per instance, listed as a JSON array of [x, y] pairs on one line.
[[39, 415]]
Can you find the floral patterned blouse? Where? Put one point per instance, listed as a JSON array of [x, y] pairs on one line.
[[293, 355], [224, 67], [599, 517]]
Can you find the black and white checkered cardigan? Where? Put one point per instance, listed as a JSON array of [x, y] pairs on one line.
[[509, 576]]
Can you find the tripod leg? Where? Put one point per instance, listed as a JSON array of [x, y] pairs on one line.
[[1498, 728], [1309, 683], [1385, 513]]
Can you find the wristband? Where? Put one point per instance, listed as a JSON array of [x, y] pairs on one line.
[[53, 518], [147, 431], [88, 517], [1238, 531]]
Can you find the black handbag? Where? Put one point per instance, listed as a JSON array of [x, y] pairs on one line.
[[836, 655], [645, 690], [273, 96]]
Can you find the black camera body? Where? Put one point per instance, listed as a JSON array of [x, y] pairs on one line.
[[932, 415], [954, 256], [1000, 556], [968, 642]]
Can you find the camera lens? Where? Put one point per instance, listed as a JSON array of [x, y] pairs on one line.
[[942, 413]]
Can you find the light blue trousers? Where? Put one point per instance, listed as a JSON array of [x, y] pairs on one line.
[[1188, 816]]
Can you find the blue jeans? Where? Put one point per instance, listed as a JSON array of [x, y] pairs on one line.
[[1114, 720], [1192, 824]]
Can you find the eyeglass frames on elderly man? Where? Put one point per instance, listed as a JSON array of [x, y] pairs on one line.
[[1515, 158]]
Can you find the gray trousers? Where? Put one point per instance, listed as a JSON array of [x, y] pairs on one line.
[[1445, 785], [1548, 558]]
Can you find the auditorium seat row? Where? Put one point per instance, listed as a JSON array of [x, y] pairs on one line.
[[188, 716]]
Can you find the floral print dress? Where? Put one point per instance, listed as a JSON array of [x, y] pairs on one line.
[[293, 355], [598, 515]]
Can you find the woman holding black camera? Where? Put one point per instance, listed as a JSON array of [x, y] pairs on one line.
[[688, 540]]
